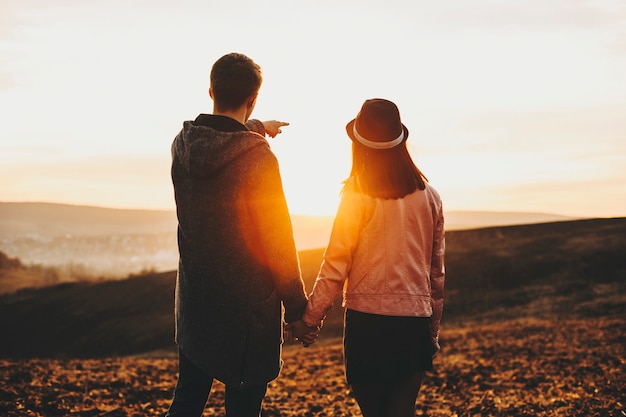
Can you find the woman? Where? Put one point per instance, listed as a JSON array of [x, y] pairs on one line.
[[388, 243]]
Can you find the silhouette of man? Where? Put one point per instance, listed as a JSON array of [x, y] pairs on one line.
[[238, 263]]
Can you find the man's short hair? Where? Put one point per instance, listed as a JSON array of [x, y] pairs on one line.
[[234, 78]]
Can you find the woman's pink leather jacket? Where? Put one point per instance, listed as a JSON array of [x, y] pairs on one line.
[[386, 255]]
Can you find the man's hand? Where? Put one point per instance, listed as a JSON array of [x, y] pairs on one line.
[[436, 347], [272, 127], [307, 335]]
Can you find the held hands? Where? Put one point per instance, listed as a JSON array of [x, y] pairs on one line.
[[299, 330], [272, 127]]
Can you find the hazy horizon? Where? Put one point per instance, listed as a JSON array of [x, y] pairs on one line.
[[68, 242], [121, 241], [173, 209]]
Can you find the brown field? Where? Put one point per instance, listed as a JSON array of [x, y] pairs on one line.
[[513, 368], [533, 325]]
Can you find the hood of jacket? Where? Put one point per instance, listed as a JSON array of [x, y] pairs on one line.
[[203, 150]]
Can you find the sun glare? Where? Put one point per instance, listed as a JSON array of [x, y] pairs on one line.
[[324, 203]]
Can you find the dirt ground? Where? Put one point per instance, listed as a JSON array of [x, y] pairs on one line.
[[515, 368]]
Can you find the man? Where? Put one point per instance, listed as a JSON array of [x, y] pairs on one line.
[[238, 263]]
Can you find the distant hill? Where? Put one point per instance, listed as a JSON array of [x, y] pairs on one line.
[[69, 242], [462, 220], [51, 219], [551, 270], [112, 243]]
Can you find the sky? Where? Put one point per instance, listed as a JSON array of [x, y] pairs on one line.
[[516, 105]]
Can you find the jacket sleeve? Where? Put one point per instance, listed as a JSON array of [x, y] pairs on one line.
[[274, 243], [437, 275], [256, 126], [337, 261]]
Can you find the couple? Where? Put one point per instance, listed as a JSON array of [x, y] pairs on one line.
[[239, 275]]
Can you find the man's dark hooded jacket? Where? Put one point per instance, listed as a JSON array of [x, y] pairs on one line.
[[238, 262]]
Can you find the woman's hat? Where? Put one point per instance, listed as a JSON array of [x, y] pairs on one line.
[[378, 125]]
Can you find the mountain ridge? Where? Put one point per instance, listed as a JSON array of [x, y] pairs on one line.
[[92, 241], [26, 217]]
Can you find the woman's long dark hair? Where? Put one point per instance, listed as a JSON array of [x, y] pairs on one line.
[[386, 173]]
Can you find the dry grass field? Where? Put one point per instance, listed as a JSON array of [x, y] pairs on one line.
[[534, 325], [514, 368]]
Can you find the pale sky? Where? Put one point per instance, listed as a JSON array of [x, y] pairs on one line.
[[512, 105]]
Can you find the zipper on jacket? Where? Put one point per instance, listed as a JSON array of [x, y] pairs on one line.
[[242, 375]]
